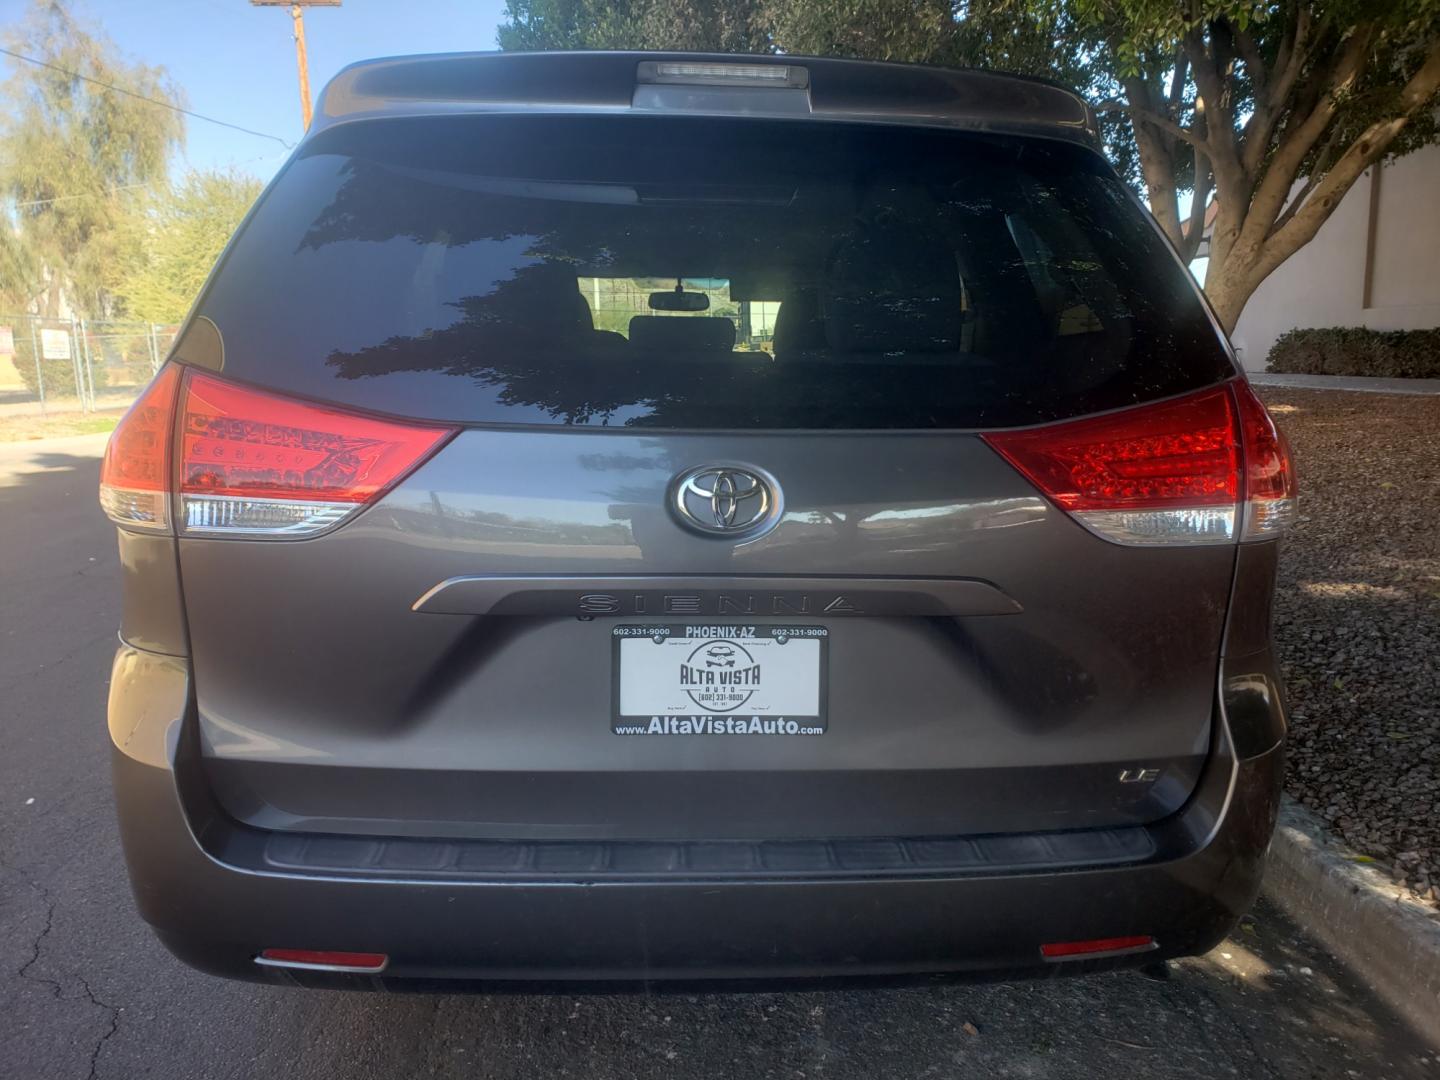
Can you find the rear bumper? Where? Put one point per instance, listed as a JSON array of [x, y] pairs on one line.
[[216, 894]]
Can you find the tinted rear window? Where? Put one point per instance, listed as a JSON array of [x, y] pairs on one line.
[[688, 273]]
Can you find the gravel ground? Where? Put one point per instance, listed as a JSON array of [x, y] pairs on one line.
[[1358, 622]]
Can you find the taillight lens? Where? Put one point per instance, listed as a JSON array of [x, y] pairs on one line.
[[257, 464], [135, 476], [1179, 472], [1270, 502], [1159, 474]]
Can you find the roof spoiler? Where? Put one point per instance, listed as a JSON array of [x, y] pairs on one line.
[[705, 84]]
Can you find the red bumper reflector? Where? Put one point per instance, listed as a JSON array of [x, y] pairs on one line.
[[324, 960], [1062, 950]]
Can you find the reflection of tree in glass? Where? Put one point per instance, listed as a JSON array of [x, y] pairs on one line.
[[379, 202], [530, 335], [590, 377], [550, 361], [525, 331]]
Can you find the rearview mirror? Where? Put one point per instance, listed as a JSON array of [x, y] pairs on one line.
[[679, 300]]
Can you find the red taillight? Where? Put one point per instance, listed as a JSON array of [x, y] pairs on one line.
[[253, 463], [367, 963], [1269, 474], [1063, 950], [257, 463], [135, 476], [1173, 473]]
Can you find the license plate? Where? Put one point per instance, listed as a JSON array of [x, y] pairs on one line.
[[719, 680]]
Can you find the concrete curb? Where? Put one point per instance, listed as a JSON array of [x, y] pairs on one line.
[[1390, 941]]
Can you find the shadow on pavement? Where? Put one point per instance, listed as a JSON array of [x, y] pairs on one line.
[[1275, 1008]]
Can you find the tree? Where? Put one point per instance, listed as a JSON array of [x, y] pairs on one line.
[[172, 237], [1276, 107], [70, 153], [691, 25], [1279, 108]]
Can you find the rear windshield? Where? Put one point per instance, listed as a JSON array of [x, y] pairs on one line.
[[687, 273]]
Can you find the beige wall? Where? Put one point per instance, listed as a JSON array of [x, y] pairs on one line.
[[1324, 283]]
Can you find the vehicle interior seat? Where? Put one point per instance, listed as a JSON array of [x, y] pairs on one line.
[[682, 334], [799, 327], [890, 289]]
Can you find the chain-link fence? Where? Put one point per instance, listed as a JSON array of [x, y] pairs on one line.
[[76, 365]]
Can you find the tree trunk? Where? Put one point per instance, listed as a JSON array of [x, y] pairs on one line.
[[1228, 288], [1268, 235], [1158, 171], [1262, 218], [53, 291]]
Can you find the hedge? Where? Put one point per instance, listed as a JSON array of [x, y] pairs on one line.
[[59, 375], [1356, 350]]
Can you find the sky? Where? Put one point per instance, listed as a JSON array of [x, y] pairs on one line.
[[236, 62]]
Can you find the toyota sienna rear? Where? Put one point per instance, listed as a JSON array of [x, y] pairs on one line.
[[642, 517]]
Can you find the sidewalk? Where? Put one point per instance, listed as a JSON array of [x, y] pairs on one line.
[[31, 456], [1355, 383], [16, 403]]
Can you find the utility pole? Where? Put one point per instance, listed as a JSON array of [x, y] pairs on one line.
[[302, 62], [297, 13]]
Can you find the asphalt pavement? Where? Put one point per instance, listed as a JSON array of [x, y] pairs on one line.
[[85, 991]]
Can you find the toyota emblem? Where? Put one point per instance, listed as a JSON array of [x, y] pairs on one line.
[[726, 500]]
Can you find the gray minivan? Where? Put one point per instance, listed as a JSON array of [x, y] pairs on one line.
[[620, 516]]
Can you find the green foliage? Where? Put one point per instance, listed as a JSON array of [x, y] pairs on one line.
[[171, 239], [690, 25], [1034, 38], [1144, 37], [925, 30], [59, 375], [70, 151], [1275, 107], [1356, 350]]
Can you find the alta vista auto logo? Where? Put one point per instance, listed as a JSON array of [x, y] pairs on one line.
[[720, 676]]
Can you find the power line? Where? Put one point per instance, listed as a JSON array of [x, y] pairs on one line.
[[142, 97], [81, 195], [131, 187]]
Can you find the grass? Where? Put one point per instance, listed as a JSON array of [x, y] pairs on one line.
[[57, 424]]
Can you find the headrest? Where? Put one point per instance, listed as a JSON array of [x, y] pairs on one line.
[[682, 333], [577, 311], [798, 325], [889, 288]]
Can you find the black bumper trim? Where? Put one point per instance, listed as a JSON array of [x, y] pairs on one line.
[[701, 860]]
